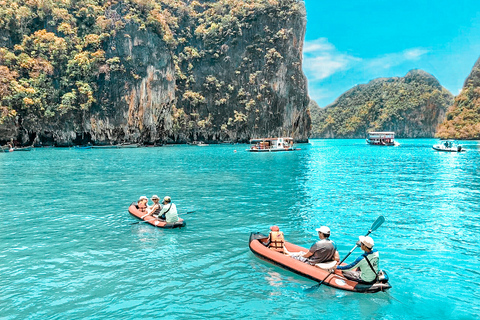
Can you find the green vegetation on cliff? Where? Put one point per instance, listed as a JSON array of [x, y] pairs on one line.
[[463, 118], [59, 61], [411, 106]]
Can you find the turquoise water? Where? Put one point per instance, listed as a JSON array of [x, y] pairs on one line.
[[68, 249]]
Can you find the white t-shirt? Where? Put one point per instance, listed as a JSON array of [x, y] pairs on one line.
[[171, 216]]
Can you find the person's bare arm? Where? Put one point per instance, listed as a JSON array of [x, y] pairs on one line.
[[308, 254]]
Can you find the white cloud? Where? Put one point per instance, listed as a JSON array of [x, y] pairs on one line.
[[321, 59], [394, 59], [321, 44]]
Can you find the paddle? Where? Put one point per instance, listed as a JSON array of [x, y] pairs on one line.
[[374, 227], [159, 220]]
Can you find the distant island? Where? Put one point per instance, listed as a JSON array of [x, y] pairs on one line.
[[412, 106]]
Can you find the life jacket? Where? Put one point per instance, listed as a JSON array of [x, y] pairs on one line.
[[276, 240], [142, 207]]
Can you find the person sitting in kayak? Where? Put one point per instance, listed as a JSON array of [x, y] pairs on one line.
[[156, 207], [364, 268], [322, 251], [142, 204], [276, 240], [169, 211]]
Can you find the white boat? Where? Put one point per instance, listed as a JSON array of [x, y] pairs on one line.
[[449, 146], [202, 144], [272, 145], [198, 143], [382, 139]]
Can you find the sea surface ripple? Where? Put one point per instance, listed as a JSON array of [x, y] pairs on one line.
[[69, 250]]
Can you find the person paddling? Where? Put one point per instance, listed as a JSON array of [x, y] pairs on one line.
[[322, 251], [364, 268]]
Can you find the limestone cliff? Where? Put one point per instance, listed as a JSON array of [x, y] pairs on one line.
[[411, 106], [156, 72], [463, 117]]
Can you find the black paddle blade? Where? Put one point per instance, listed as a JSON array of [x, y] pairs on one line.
[[377, 223]]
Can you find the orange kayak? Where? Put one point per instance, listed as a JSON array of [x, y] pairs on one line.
[[336, 280], [153, 221]]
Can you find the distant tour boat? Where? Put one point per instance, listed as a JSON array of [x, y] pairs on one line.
[[272, 145], [382, 139], [448, 146]]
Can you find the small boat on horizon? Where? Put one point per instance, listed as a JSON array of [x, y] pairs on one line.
[[198, 143], [448, 146], [272, 145], [381, 138], [83, 147], [22, 149], [9, 149]]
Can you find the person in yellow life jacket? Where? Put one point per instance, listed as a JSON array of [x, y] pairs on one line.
[[142, 204], [276, 240]]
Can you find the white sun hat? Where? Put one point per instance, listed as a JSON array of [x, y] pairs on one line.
[[323, 229], [367, 241]]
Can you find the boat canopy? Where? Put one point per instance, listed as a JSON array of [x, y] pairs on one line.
[[381, 134], [270, 139]]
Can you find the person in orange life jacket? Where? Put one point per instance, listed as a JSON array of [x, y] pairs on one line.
[[276, 240], [142, 204], [322, 251], [364, 268], [155, 208]]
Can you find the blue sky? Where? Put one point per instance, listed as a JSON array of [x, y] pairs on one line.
[[352, 42]]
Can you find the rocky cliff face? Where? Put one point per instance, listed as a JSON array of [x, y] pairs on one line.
[[463, 117], [218, 72], [411, 106], [136, 98]]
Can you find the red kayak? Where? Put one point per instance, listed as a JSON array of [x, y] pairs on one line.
[[336, 280], [153, 221]]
